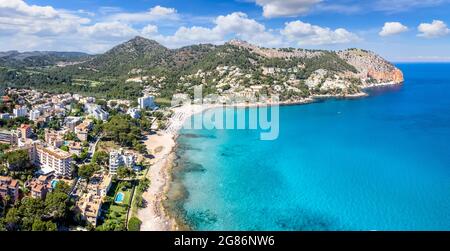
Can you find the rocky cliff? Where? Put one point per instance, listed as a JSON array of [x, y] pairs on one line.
[[372, 67]]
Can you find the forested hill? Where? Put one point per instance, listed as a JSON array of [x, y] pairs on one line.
[[235, 67], [40, 58]]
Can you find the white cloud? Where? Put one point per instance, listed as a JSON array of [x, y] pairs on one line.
[[236, 24], [308, 34], [155, 13], [435, 29], [392, 28], [149, 30], [18, 7], [32, 27], [285, 8], [16, 16], [106, 30]]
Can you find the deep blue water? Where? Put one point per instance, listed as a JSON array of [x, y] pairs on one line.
[[376, 163]]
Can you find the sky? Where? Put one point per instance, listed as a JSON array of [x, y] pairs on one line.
[[399, 30]]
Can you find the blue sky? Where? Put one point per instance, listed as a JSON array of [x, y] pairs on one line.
[[400, 30]]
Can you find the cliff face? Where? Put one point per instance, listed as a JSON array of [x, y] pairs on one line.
[[372, 66], [395, 76]]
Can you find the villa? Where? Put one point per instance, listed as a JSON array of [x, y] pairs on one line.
[[99, 185], [9, 187], [83, 129], [89, 206], [39, 187]]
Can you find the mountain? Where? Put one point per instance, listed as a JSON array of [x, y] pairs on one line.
[[39, 58], [237, 67]]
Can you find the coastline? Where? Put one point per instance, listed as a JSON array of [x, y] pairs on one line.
[[156, 216]]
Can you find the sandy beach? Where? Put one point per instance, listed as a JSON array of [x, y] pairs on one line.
[[153, 216]]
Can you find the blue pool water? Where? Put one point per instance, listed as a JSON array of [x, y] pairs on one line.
[[53, 183], [119, 198], [377, 163]]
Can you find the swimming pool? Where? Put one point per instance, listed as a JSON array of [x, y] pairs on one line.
[[119, 198], [53, 183]]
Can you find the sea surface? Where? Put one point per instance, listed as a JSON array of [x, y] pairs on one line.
[[375, 163]]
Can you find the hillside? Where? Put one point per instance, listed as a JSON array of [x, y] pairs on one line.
[[40, 58], [236, 67]]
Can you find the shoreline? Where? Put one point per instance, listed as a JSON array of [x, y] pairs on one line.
[[155, 216]]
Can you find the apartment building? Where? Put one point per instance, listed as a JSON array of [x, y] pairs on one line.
[[8, 137], [20, 111], [146, 102], [54, 159], [25, 131], [119, 158]]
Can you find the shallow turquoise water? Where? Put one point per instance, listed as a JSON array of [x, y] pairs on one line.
[[377, 163]]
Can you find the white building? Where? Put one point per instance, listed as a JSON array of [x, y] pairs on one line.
[[20, 112], [5, 116], [34, 115], [53, 159], [96, 111], [71, 122], [118, 159], [100, 114], [146, 102], [134, 113]]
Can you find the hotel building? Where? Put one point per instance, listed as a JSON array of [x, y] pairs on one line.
[[53, 159]]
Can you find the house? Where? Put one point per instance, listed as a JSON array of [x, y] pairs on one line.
[[89, 206], [75, 147], [99, 185], [82, 130], [39, 187], [53, 138], [9, 187]]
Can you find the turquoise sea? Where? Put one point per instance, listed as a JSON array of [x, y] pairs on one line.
[[375, 163]]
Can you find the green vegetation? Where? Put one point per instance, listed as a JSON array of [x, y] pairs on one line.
[[126, 131], [18, 160], [14, 123], [125, 173], [138, 201], [134, 224], [86, 171], [101, 158], [105, 75], [114, 219], [31, 214], [71, 136]]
